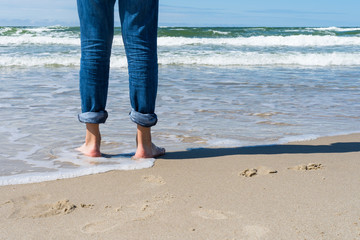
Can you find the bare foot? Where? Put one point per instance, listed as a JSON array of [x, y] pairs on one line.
[[153, 152], [91, 147], [145, 147], [89, 151]]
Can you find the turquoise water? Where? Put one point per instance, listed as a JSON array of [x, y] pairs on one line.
[[218, 87]]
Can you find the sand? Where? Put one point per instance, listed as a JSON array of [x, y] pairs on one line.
[[303, 190]]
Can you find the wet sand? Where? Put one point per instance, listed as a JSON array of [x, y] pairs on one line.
[[302, 190]]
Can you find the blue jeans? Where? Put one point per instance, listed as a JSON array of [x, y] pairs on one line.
[[139, 23]]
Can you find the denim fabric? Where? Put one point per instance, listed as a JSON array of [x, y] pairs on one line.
[[93, 117], [139, 22], [145, 120]]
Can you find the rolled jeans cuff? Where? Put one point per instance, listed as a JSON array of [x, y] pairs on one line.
[[145, 120], [93, 117]]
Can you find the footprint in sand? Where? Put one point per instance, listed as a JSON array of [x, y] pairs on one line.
[[117, 217], [257, 171], [26, 206], [33, 206], [5, 203], [211, 214], [146, 209], [155, 180], [310, 166], [255, 232], [6, 208], [61, 207], [101, 226]]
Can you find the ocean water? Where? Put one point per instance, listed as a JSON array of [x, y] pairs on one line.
[[218, 87]]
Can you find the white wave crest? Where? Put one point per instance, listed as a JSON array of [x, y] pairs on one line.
[[52, 60], [214, 59], [264, 41], [37, 61], [39, 40], [336, 29], [219, 32], [265, 59], [4, 29], [45, 29], [259, 41]]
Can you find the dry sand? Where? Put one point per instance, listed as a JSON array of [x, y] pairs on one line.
[[304, 190]]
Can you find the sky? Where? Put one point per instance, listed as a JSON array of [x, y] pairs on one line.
[[254, 13]]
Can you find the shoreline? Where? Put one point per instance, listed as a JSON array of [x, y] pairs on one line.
[[297, 190], [30, 178]]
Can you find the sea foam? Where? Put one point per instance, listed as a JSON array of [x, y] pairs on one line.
[[264, 41], [123, 164], [230, 59], [259, 41]]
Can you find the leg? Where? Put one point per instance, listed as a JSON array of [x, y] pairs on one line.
[[145, 147], [97, 29], [91, 147], [139, 22], [139, 29]]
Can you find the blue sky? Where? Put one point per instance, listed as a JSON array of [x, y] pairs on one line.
[[277, 13]]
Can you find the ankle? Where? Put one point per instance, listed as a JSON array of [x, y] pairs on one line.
[[91, 147], [91, 144], [143, 137]]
